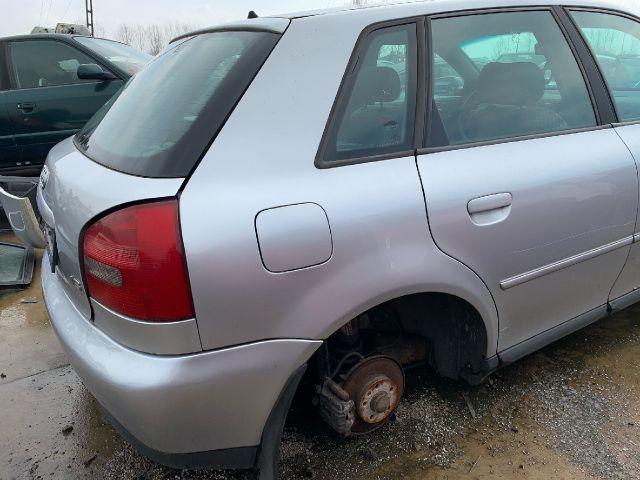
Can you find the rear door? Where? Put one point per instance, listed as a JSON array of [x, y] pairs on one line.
[[522, 182], [615, 42], [9, 156], [48, 102]]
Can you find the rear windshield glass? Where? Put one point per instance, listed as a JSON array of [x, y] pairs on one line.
[[165, 117], [127, 58]]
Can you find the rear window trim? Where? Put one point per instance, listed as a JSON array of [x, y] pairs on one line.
[[536, 136], [424, 113], [342, 95], [605, 11], [213, 134], [602, 124], [596, 104]]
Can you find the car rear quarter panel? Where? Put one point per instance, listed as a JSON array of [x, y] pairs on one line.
[[77, 191], [264, 158]]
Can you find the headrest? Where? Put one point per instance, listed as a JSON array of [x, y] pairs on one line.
[[377, 84], [520, 83]]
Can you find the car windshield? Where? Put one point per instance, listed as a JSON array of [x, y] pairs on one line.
[[164, 118], [127, 58]]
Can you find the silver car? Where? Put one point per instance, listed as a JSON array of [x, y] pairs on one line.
[[289, 200]]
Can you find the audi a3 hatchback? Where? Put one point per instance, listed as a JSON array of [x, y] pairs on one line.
[[297, 200]]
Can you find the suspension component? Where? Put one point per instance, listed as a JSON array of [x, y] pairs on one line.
[[336, 408], [344, 345]]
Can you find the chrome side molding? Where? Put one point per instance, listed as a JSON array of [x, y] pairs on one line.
[[565, 263]]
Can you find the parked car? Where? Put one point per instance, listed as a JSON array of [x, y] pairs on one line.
[[246, 215], [50, 85]]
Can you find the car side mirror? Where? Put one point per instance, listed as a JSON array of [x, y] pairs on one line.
[[92, 71]]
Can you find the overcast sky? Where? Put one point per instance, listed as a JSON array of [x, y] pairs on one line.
[[20, 16]]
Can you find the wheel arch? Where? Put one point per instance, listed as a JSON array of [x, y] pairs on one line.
[[443, 323]]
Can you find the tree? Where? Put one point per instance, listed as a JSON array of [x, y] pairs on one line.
[[125, 33], [151, 38], [155, 39]]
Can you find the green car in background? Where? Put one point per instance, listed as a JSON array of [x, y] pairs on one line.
[[50, 85]]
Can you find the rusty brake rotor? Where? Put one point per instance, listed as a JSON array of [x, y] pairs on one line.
[[375, 385]]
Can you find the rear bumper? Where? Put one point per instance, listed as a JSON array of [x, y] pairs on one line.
[[190, 405]]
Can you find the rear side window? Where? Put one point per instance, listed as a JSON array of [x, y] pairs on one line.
[[520, 78], [165, 117], [615, 42], [377, 114]]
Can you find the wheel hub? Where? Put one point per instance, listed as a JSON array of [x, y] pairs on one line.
[[375, 385]]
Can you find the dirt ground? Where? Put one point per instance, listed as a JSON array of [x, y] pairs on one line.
[[570, 411]]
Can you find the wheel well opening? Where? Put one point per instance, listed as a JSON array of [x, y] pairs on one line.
[[441, 330], [357, 377]]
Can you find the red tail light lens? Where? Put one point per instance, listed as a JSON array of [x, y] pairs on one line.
[[134, 263]]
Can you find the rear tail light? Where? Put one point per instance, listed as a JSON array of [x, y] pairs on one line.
[[134, 263]]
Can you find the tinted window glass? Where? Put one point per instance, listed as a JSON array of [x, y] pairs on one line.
[[520, 77], [448, 82], [46, 63], [165, 117], [615, 42], [377, 115], [127, 58]]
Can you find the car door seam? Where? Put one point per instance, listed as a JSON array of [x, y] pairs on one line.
[[435, 242]]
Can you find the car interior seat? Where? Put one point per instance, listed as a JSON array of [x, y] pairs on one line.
[[371, 120], [507, 103]]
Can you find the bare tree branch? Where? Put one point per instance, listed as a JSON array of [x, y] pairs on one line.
[[151, 38], [125, 34]]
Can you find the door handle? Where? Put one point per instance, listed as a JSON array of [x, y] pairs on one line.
[[489, 202], [490, 209], [26, 107]]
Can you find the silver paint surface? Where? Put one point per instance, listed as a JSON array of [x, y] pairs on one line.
[[572, 194], [283, 250], [171, 338], [629, 279], [177, 404]]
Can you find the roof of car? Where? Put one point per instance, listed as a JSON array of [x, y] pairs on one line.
[[36, 36], [441, 6], [407, 8], [32, 36]]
